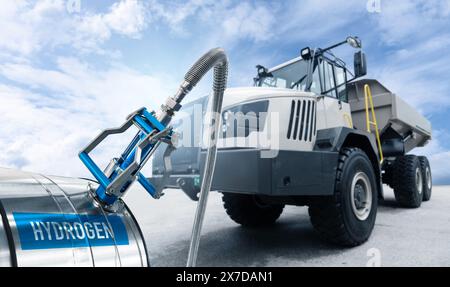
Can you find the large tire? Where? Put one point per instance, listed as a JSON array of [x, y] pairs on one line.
[[248, 211], [407, 181], [388, 171], [347, 218], [426, 176]]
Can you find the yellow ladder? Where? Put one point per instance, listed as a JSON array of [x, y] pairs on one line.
[[368, 98]]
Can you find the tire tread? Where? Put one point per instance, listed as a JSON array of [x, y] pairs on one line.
[[327, 215], [242, 209], [424, 163], [404, 182]]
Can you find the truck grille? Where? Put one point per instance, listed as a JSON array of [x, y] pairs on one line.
[[302, 120]]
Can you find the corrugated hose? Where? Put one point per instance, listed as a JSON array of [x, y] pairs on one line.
[[217, 59]]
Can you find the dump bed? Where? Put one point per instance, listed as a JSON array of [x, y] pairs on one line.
[[395, 117]]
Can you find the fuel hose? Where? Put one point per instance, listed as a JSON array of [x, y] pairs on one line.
[[217, 59]]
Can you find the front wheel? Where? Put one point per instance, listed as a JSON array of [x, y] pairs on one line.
[[249, 210], [347, 218]]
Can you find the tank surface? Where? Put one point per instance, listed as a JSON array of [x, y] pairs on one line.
[[55, 221]]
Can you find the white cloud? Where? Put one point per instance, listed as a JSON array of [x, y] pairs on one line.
[[438, 155], [227, 20], [29, 27], [410, 20], [246, 21], [440, 167], [310, 20], [16, 33], [127, 18], [174, 14], [421, 83], [42, 139], [416, 33], [45, 126]]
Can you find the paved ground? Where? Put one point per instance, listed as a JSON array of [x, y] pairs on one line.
[[402, 237]]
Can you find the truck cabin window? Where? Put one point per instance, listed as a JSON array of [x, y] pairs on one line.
[[292, 76], [327, 78]]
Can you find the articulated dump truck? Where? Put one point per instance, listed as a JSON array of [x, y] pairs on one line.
[[309, 132]]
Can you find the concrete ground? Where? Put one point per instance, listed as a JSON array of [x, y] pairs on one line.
[[401, 237]]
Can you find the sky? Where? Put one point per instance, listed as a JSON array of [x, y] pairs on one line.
[[70, 68]]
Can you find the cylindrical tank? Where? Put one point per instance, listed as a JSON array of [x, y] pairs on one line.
[[55, 221]]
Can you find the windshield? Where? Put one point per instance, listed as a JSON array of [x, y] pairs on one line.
[[292, 76]]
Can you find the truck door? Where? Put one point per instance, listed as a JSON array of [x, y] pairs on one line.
[[332, 106]]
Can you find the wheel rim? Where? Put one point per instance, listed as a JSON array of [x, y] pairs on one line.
[[361, 196], [428, 177], [419, 183]]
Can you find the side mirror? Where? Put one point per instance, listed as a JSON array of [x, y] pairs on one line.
[[262, 71], [355, 42], [360, 66], [306, 53]]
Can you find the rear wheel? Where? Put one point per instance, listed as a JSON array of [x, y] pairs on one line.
[[408, 181], [249, 210], [348, 217], [426, 175]]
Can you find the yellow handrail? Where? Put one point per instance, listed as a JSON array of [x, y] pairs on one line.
[[367, 98]]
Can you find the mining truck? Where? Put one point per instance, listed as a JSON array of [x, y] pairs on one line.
[[310, 132]]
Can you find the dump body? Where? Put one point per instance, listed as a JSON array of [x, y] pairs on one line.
[[54, 221], [394, 116]]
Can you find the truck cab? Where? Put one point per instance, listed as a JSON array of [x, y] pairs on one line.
[[323, 76]]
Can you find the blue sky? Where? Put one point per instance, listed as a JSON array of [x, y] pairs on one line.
[[69, 68]]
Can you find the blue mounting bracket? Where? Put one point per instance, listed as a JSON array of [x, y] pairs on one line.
[[121, 172]]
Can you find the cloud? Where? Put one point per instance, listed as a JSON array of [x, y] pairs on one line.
[[411, 20], [127, 18], [114, 89], [18, 20], [311, 20], [438, 155], [246, 21], [45, 125], [418, 75], [230, 21], [174, 14], [440, 166], [28, 26], [37, 138]]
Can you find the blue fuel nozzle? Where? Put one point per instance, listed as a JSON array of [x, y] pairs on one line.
[[121, 172]]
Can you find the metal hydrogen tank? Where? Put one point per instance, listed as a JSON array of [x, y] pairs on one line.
[[60, 221], [55, 221]]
